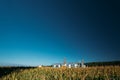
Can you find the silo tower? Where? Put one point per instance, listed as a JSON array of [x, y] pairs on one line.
[[64, 62], [82, 63]]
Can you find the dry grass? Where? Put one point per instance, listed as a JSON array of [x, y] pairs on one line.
[[47, 73]]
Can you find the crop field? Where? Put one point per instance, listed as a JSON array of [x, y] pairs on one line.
[[49, 73]]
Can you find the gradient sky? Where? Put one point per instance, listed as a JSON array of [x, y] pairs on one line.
[[34, 32]]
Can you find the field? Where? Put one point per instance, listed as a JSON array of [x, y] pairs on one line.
[[49, 73]]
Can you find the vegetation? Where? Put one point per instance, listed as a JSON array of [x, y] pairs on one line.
[[7, 70], [49, 73], [113, 63]]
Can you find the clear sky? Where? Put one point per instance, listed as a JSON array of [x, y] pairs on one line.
[[34, 32]]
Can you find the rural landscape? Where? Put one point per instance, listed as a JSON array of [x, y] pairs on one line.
[[95, 71], [36, 35]]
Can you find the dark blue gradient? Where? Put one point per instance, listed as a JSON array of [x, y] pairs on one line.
[[34, 32]]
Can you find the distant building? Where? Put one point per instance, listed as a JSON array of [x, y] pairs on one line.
[[75, 65], [57, 65], [69, 65], [82, 64], [40, 66], [54, 66], [64, 63]]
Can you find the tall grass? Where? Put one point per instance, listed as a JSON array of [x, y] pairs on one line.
[[48, 73]]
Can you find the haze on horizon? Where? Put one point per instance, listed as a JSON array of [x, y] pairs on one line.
[[34, 32]]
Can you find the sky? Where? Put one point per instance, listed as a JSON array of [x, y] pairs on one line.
[[35, 32]]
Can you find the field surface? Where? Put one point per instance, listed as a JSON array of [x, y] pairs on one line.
[[48, 73]]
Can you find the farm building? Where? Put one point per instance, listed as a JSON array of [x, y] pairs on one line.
[[40, 66], [70, 65]]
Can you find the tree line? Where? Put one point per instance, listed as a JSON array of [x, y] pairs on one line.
[[110, 63]]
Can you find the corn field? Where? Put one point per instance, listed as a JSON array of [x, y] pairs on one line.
[[49, 73]]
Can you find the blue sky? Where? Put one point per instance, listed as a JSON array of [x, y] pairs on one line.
[[38, 32]]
